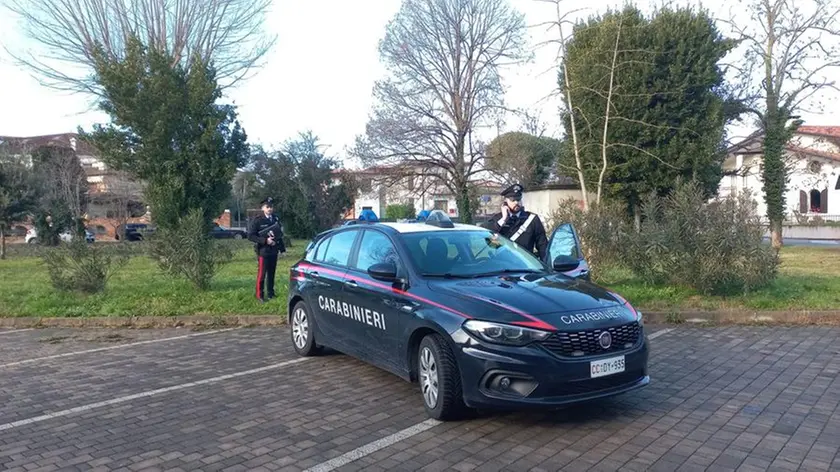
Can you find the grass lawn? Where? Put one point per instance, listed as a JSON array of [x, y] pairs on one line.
[[139, 288], [809, 279]]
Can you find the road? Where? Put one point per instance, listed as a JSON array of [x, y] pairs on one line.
[[721, 398], [809, 242]]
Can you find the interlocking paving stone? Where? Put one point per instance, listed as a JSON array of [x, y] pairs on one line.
[[19, 345], [723, 398], [47, 386]]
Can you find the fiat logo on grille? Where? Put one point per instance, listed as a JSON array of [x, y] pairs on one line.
[[605, 340]]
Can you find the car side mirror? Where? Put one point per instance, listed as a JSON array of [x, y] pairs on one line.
[[386, 271], [565, 263]]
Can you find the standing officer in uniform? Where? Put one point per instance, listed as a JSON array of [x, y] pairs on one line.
[[520, 226], [267, 248]]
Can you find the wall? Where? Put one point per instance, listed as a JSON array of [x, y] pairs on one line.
[[545, 201], [810, 232], [224, 220]]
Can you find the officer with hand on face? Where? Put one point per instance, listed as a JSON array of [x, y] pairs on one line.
[[267, 247], [520, 226]]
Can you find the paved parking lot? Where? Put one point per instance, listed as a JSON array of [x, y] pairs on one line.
[[725, 398]]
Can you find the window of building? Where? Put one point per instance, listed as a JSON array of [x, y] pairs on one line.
[[813, 201]]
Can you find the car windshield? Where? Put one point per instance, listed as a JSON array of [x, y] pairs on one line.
[[468, 253]]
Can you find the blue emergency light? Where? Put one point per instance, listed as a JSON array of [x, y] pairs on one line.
[[368, 215], [440, 219]]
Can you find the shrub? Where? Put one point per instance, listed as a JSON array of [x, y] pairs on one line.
[[188, 250], [79, 266], [603, 232], [714, 247], [400, 211]]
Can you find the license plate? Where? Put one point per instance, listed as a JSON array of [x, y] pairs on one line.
[[604, 367]]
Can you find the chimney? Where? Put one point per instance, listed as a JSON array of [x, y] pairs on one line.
[[73, 143]]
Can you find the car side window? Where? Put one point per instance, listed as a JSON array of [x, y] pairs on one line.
[[313, 250], [374, 249], [338, 251], [563, 243]]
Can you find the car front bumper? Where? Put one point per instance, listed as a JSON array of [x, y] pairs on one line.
[[510, 377]]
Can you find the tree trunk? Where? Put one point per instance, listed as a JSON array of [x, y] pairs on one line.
[[637, 217], [2, 242], [776, 234], [464, 203], [775, 139]]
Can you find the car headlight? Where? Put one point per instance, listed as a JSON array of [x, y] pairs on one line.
[[500, 333]]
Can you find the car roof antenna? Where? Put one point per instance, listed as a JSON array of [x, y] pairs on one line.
[[440, 219]]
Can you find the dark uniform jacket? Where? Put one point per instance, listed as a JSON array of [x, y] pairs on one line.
[[532, 235], [261, 247]]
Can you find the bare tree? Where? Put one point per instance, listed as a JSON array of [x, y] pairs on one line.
[[62, 178], [444, 57], [791, 46], [559, 22], [68, 31], [124, 198]]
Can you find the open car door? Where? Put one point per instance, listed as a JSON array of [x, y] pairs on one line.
[[565, 254]]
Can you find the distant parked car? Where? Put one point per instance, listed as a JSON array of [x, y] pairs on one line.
[[133, 231], [32, 236], [222, 232]]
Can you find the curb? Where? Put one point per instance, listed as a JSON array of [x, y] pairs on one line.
[[828, 318], [800, 317], [190, 321]]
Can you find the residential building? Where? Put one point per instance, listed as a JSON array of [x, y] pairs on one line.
[[813, 155], [114, 197]]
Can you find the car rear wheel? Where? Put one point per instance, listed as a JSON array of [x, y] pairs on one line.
[[440, 379], [301, 327]]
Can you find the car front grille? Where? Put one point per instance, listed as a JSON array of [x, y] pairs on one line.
[[585, 343], [581, 387]]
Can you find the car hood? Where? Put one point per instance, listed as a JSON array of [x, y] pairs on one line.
[[538, 300]]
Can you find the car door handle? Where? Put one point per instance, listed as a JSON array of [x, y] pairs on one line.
[[351, 283], [315, 274]]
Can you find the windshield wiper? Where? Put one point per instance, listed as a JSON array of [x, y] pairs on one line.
[[449, 275], [508, 271]]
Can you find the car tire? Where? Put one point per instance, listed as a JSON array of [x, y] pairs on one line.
[[439, 379], [301, 330]]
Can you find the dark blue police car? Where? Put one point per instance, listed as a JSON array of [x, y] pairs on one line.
[[476, 320]]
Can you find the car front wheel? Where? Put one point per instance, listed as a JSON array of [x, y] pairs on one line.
[[440, 379], [301, 326]]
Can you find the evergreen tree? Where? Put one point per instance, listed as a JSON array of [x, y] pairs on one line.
[[668, 102], [168, 130]]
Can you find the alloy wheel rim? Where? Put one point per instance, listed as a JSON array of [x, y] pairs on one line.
[[300, 328], [429, 377]]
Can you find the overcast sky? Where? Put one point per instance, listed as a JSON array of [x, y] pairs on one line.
[[318, 77]]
